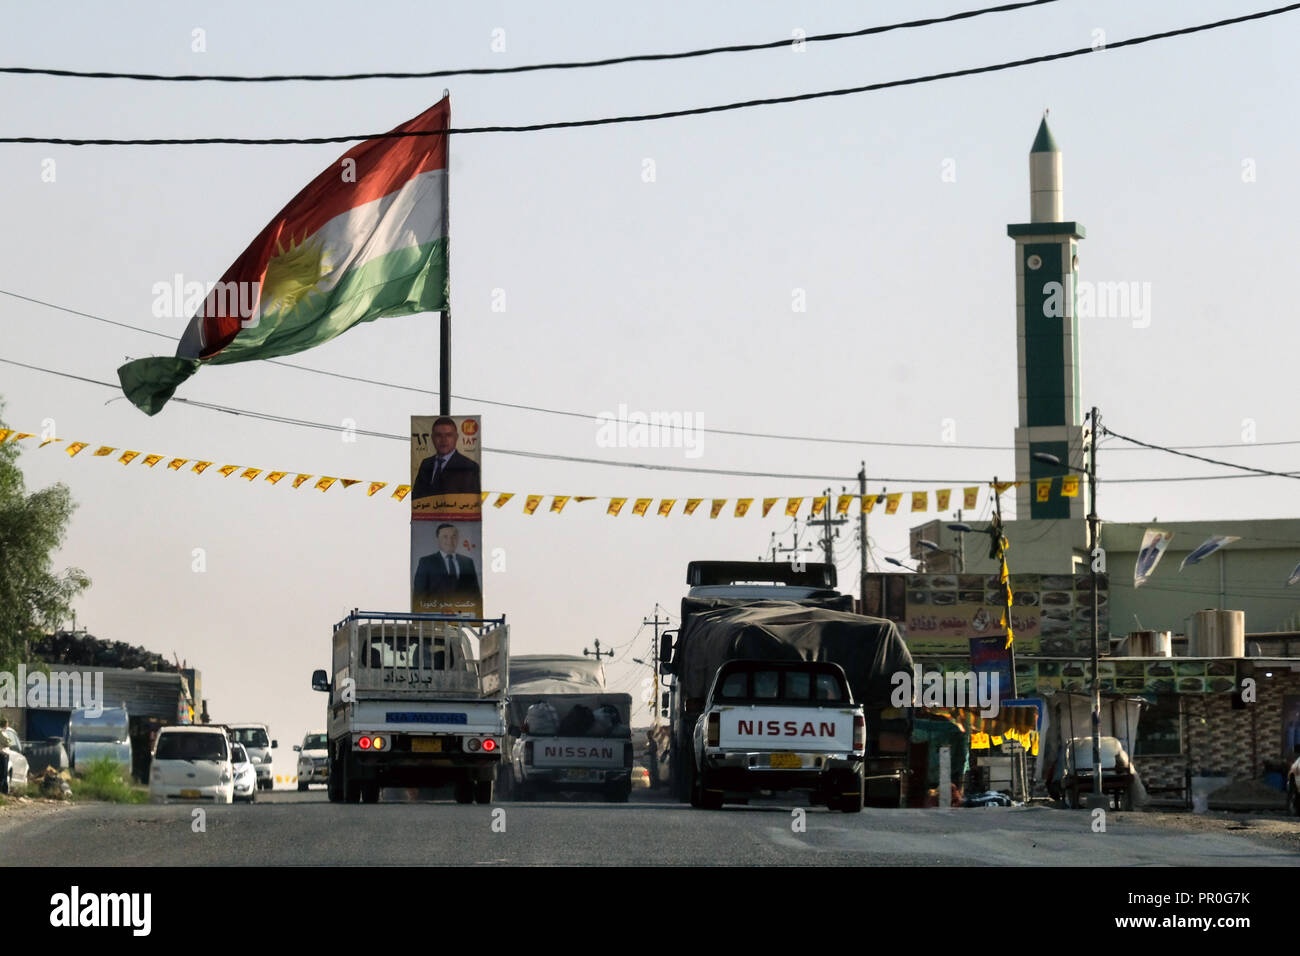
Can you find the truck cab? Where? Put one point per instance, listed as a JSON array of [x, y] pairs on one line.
[[780, 725]]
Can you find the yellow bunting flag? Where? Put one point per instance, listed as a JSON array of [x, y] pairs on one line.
[[742, 506], [483, 497], [920, 501], [666, 506], [584, 497], [941, 499], [48, 440], [1070, 486], [1001, 486], [819, 504], [716, 506], [502, 498], [103, 451], [558, 502], [274, 476], [21, 435], [692, 504], [298, 481], [767, 505], [843, 503], [374, 485], [226, 470], [324, 482], [4, 434], [970, 497], [1043, 489], [75, 447], [401, 491], [615, 506], [152, 460], [868, 502], [349, 482], [792, 506], [128, 457], [640, 505], [176, 464], [250, 473], [891, 502]]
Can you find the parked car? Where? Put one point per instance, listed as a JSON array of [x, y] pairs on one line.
[[313, 759], [256, 739], [13, 765], [191, 763], [640, 778], [245, 777]]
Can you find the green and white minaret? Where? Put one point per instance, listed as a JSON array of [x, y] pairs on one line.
[[1047, 338]]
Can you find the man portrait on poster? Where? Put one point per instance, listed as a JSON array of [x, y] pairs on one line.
[[446, 579], [446, 471]]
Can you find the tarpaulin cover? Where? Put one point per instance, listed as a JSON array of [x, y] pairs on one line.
[[869, 649], [574, 715], [556, 673]]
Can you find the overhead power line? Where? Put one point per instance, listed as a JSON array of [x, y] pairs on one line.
[[645, 466], [590, 417], [1212, 461], [529, 68], [648, 117]]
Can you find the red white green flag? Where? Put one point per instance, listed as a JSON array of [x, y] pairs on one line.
[[365, 239]]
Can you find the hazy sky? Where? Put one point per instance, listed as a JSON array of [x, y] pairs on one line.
[[676, 295]]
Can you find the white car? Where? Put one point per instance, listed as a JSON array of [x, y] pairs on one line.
[[256, 739], [191, 763], [13, 765], [313, 759], [245, 785]]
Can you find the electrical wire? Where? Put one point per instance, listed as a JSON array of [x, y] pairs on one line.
[[651, 117], [1212, 461], [529, 68]]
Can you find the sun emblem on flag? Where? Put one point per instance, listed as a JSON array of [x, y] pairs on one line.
[[293, 274]]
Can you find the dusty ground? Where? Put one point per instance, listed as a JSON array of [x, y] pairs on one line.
[[1276, 829], [20, 809]]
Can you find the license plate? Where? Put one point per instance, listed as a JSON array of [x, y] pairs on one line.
[[190, 794], [578, 775], [426, 745], [785, 761]]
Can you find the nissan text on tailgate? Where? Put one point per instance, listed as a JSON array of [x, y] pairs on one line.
[[780, 725]]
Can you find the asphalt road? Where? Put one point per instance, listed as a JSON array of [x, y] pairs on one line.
[[305, 829]]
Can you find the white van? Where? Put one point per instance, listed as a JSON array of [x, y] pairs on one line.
[[191, 763], [256, 739]]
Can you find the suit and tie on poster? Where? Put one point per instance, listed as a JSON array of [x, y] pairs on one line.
[[445, 480], [447, 563], [446, 515]]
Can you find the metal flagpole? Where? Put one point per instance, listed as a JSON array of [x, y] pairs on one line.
[[444, 334]]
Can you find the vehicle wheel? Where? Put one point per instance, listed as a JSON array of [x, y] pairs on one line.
[[465, 790], [709, 799], [696, 800], [350, 785], [301, 786], [483, 791], [850, 801]]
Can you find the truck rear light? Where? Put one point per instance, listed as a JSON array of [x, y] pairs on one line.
[[489, 745], [378, 742], [859, 732], [714, 730], [364, 743], [473, 745]]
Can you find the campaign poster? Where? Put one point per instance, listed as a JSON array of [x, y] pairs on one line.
[[447, 568], [446, 457]]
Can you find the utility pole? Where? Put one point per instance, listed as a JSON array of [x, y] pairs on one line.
[[862, 536], [827, 524], [796, 549], [654, 663], [1093, 535], [597, 653]]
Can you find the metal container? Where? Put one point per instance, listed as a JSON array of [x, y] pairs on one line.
[[1150, 644], [1214, 633], [111, 724]]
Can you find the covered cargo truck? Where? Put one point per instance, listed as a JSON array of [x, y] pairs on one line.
[[768, 611]]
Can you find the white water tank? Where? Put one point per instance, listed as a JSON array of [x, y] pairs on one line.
[[1214, 633], [1149, 644]]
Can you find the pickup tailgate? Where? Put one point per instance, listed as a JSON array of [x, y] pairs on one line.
[[816, 729], [578, 752]]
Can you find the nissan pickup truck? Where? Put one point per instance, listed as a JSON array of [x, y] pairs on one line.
[[779, 726]]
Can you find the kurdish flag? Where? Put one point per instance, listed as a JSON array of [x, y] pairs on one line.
[[365, 239]]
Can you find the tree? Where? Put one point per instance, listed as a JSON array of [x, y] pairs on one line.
[[33, 598]]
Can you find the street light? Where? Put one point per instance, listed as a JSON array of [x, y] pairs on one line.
[[1093, 534], [931, 546], [900, 564]]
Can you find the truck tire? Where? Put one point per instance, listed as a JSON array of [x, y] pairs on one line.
[[850, 801], [483, 791], [302, 786], [370, 793], [709, 799], [350, 785], [465, 789], [332, 781], [619, 792]]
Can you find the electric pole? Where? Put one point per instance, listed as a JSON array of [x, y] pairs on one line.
[[796, 549], [827, 524], [597, 653], [654, 663]]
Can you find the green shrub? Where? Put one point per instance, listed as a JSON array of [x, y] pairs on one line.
[[106, 779]]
